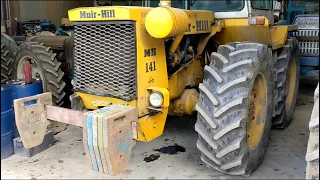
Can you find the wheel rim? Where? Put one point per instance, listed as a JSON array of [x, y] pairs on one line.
[[257, 111], [290, 85], [36, 70]]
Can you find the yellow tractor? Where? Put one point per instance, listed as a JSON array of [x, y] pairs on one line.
[[227, 60]]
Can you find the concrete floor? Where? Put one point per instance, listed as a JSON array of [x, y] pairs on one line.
[[66, 159]]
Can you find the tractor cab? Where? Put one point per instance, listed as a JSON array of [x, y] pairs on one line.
[[293, 8], [308, 39], [225, 9], [304, 14]]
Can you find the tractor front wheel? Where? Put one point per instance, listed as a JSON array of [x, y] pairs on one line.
[[8, 50], [235, 108]]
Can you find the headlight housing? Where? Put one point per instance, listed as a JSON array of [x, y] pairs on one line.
[[156, 99]]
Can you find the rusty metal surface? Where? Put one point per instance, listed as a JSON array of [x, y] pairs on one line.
[[31, 119], [67, 116], [55, 42]]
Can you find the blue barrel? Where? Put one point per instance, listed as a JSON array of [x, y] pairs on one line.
[[7, 121], [21, 90]]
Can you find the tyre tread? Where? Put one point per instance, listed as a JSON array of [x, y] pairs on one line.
[[54, 82]]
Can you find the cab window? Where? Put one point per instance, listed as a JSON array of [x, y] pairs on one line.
[[218, 6], [174, 3], [209, 5], [261, 4]]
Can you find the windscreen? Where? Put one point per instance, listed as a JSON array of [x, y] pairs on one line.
[[213, 5], [218, 5]]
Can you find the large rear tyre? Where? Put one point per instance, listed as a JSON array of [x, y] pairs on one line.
[[235, 108], [312, 156], [8, 50], [44, 66], [287, 83]]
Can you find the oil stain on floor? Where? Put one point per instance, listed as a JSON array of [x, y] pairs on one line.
[[171, 150], [152, 157]]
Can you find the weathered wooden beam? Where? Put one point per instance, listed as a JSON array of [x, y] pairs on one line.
[[67, 116]]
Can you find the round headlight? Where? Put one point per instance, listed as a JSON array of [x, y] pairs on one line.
[[156, 99]]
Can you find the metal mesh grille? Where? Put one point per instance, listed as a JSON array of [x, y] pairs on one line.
[[105, 59]]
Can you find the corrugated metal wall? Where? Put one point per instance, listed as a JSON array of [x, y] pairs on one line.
[[30, 10], [52, 10]]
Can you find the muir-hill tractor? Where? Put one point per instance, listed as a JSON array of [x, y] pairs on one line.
[[133, 66]]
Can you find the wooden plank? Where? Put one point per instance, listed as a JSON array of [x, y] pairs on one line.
[[95, 141], [67, 116], [100, 144], [85, 141], [31, 119], [90, 141]]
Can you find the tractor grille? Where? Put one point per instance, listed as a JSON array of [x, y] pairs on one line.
[[308, 47], [105, 59]]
